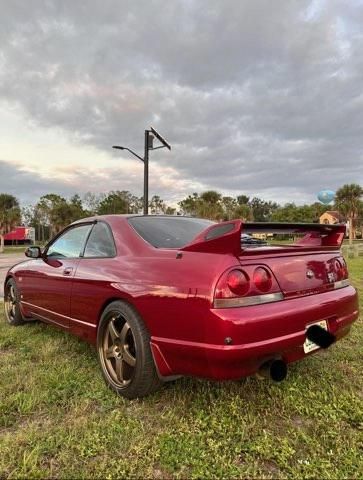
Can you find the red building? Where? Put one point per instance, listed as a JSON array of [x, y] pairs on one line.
[[20, 236]]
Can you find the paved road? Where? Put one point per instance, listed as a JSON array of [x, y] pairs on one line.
[[6, 261]]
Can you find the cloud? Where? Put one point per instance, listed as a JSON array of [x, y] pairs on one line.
[[257, 97], [28, 185]]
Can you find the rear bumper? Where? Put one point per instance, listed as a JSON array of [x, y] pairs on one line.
[[258, 334]]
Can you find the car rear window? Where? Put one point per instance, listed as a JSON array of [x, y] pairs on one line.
[[168, 232]]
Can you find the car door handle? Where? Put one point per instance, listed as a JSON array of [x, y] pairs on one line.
[[67, 271]]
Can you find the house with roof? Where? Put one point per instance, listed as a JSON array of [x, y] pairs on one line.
[[331, 217]]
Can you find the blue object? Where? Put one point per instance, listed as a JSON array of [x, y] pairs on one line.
[[326, 196]]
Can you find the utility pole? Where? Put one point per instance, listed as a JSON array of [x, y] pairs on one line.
[[148, 138], [148, 145]]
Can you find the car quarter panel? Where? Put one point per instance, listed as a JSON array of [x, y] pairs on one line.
[[172, 294]]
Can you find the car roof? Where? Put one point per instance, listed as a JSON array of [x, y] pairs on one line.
[[126, 216]]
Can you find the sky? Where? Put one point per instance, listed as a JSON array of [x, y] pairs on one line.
[[256, 97]]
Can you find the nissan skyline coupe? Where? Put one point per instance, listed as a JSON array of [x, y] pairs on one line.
[[168, 296]]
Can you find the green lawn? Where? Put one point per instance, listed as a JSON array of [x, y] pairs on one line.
[[15, 249], [18, 248], [57, 418]]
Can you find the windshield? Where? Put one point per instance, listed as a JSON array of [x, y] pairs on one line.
[[168, 232]]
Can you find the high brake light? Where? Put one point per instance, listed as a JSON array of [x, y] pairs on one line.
[[251, 285]]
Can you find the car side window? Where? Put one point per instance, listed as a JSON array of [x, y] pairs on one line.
[[100, 243], [71, 243]]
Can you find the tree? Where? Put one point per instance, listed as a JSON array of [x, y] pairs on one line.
[[243, 200], [262, 210], [76, 209], [53, 213], [27, 215], [119, 202], [10, 216], [317, 210], [169, 210], [348, 202], [91, 202], [293, 214], [66, 212], [157, 205], [46, 215], [244, 212], [189, 206], [229, 205], [210, 205]]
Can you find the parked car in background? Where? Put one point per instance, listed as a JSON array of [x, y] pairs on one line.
[[162, 296]]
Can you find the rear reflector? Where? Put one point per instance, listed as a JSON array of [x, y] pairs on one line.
[[247, 301]]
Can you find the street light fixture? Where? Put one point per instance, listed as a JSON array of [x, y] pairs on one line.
[[148, 145], [129, 150]]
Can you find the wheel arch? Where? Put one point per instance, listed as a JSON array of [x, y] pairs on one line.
[[8, 277], [154, 361], [116, 298]]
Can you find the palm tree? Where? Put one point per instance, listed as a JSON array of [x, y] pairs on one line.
[[10, 215], [348, 202]]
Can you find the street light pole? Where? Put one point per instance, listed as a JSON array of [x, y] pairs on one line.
[[146, 173], [148, 145]]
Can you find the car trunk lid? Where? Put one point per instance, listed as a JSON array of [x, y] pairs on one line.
[[312, 264]]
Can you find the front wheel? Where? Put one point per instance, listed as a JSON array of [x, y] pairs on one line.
[[123, 345], [12, 304]]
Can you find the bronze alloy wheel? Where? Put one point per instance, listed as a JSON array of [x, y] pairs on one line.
[[118, 350], [123, 344], [11, 304]]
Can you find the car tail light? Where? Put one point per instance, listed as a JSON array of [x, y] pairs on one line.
[[344, 269], [340, 269], [262, 279], [341, 273], [251, 285], [238, 282]]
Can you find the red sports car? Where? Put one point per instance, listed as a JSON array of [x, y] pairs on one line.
[[163, 296]]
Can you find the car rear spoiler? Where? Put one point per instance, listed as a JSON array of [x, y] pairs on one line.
[[225, 237]]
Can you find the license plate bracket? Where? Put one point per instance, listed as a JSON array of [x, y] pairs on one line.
[[310, 346]]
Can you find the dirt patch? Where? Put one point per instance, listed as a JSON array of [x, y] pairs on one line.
[[299, 422], [269, 466]]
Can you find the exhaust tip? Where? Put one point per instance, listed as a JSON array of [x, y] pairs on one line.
[[278, 370], [274, 369], [320, 336]]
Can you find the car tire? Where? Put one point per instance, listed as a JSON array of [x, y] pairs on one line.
[[12, 304], [123, 345]]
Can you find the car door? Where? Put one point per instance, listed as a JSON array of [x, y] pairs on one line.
[[96, 270], [46, 284]]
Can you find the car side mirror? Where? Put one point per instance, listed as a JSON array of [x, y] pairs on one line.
[[33, 252]]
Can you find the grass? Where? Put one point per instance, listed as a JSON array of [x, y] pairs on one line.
[[17, 249], [58, 419]]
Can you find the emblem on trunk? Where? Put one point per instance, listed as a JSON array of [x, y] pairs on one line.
[[309, 273]]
